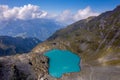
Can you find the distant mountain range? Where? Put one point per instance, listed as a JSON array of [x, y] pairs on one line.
[[13, 45], [39, 28]]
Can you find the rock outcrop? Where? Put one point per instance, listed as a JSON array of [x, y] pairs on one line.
[[32, 66]]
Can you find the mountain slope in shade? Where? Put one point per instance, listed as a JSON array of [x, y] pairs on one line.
[[14, 45], [96, 40], [39, 28]]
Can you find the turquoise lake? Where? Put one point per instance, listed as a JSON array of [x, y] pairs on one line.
[[61, 62]]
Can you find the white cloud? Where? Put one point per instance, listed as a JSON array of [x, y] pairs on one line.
[[84, 13], [26, 12], [65, 16], [68, 16], [33, 11]]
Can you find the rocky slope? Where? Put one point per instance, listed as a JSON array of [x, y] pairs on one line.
[[13, 45], [96, 40], [30, 66]]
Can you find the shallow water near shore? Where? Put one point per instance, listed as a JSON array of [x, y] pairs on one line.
[[61, 62]]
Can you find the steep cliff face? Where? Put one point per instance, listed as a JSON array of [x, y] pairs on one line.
[[96, 40]]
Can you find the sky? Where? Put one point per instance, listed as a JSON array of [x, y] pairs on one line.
[[62, 10]]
